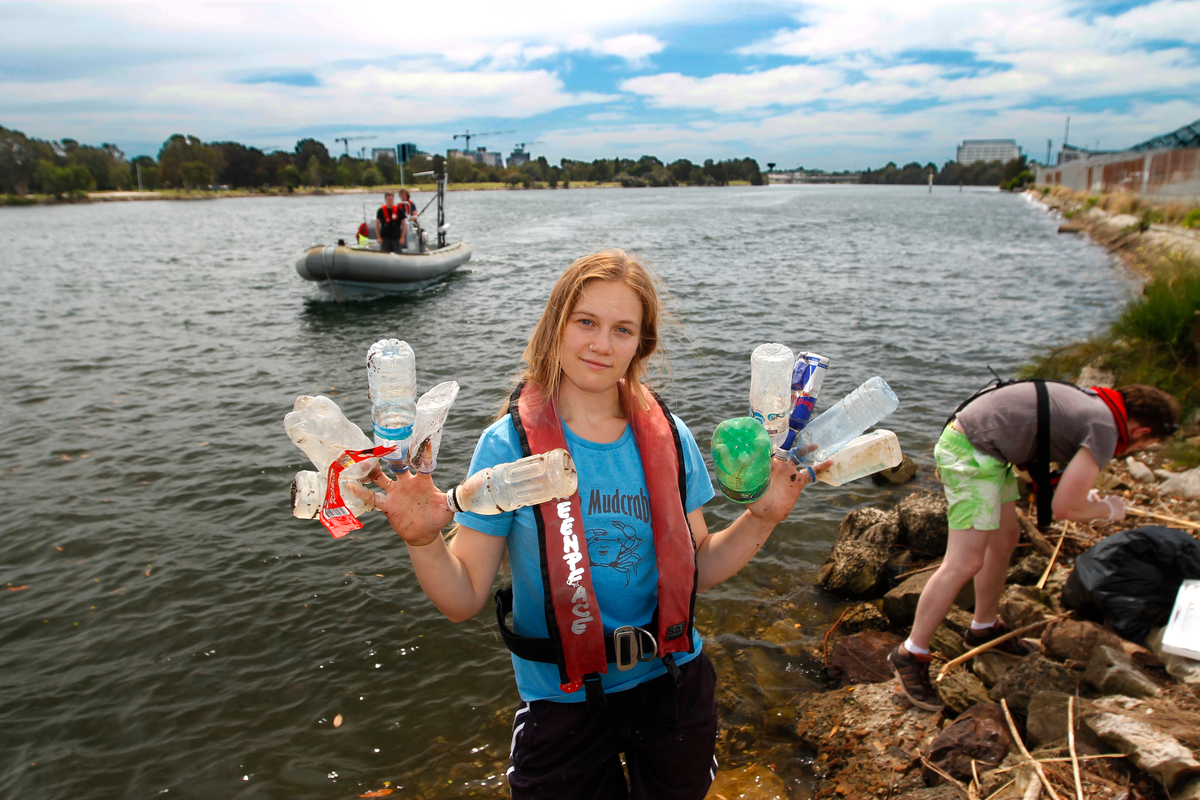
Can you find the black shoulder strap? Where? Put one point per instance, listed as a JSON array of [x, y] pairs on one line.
[[1040, 467]]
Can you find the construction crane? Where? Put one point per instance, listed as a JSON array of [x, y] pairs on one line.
[[521, 145], [346, 140], [467, 135]]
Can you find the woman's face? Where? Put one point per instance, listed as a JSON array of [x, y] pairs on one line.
[[602, 336]]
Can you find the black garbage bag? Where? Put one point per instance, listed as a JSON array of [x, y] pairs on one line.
[[1130, 579]]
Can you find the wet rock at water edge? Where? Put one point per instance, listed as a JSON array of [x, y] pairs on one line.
[[1029, 676], [855, 565], [864, 617], [755, 782], [901, 473], [1046, 722], [923, 522], [862, 658], [980, 735], [1076, 640], [1111, 671], [960, 690]]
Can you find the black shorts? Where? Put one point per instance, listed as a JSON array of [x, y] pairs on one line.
[[563, 751]]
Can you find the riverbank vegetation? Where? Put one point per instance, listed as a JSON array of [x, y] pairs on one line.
[[34, 170], [1013, 174], [1155, 338]]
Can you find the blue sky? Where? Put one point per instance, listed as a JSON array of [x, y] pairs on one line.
[[825, 84]]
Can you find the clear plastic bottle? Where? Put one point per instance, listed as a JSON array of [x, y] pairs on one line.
[[432, 409], [318, 427], [526, 482], [392, 385], [845, 420], [741, 451], [308, 495], [864, 456], [771, 388]]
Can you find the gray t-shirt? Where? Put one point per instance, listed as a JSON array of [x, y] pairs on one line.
[[1003, 424]]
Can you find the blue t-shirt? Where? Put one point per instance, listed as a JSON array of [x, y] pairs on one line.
[[620, 545]]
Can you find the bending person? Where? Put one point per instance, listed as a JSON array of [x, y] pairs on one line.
[[975, 457], [631, 548]]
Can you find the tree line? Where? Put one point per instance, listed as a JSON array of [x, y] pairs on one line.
[[67, 168], [980, 173]]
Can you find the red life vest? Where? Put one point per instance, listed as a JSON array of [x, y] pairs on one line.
[[572, 613], [407, 206], [1116, 405], [391, 214]]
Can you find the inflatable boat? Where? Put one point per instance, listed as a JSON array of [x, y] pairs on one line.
[[364, 268], [356, 268]]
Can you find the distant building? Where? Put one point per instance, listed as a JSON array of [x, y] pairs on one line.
[[406, 151], [458, 154], [488, 157], [378, 153], [518, 157], [1002, 150]]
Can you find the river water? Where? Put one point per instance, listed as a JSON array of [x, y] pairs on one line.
[[170, 629]]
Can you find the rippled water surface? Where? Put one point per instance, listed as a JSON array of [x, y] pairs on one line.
[[169, 628]]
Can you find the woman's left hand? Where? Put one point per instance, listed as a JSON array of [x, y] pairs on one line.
[[786, 484]]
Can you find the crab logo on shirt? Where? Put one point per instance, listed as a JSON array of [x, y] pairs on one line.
[[616, 551]]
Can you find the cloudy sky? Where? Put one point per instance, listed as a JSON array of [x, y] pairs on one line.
[[834, 85]]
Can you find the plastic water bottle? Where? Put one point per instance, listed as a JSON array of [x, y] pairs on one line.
[[432, 409], [318, 427], [770, 388], [308, 495], [741, 451], [864, 456], [526, 482], [392, 382], [845, 420]]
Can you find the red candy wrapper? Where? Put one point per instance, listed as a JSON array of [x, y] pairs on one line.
[[335, 516]]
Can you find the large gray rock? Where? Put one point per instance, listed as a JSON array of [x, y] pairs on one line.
[[900, 604], [980, 734], [1028, 571], [1185, 484], [1046, 722], [923, 522], [1029, 676], [1111, 671], [1022, 605], [960, 690], [1076, 640], [992, 666], [862, 658], [855, 565], [1152, 751]]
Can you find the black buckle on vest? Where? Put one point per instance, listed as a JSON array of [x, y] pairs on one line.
[[594, 691], [628, 649]]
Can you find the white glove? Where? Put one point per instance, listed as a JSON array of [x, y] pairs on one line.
[[1116, 505]]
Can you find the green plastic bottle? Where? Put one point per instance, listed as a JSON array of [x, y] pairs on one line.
[[741, 451]]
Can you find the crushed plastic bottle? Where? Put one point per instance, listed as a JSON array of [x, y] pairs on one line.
[[844, 421], [318, 427], [432, 409], [392, 387], [770, 388], [525, 482], [866, 455], [741, 451], [308, 495]]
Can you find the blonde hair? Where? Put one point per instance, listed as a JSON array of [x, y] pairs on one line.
[[543, 354]]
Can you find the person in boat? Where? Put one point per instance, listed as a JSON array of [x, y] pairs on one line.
[[1082, 428], [606, 657], [389, 224], [364, 235]]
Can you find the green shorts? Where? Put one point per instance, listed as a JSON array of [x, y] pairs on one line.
[[976, 484]]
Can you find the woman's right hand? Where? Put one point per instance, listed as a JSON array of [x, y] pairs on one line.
[[416, 509]]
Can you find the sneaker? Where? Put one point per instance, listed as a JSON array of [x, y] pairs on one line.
[[1014, 647], [914, 679]]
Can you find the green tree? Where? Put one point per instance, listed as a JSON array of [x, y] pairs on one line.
[[289, 176], [371, 177], [72, 180], [306, 150], [19, 157], [181, 149], [196, 174]]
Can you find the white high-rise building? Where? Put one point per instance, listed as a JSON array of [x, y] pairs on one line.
[[1002, 150]]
